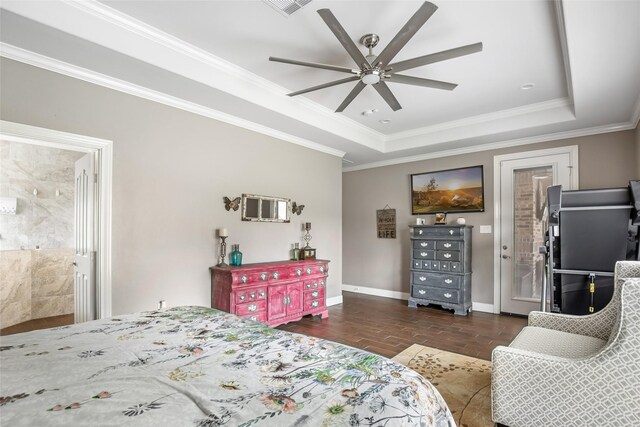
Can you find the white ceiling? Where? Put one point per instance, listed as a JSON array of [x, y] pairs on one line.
[[211, 57]]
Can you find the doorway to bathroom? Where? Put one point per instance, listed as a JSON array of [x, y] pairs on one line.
[[55, 219]]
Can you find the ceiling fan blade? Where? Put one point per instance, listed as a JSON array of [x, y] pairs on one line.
[[322, 86], [417, 81], [404, 35], [344, 38], [314, 65], [435, 57], [386, 94], [354, 92]]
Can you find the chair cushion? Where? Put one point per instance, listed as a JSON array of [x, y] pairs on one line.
[[556, 343]]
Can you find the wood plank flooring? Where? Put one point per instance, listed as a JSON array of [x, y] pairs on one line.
[[44, 323], [381, 325], [387, 326]]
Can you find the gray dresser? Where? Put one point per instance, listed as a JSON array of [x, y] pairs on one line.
[[441, 266]]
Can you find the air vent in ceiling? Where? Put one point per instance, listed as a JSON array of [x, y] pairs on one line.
[[287, 7]]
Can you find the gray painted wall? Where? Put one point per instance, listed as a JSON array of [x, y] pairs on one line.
[[171, 170], [638, 151], [606, 160]]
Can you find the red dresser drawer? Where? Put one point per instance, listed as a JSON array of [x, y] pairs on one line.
[[251, 294], [314, 294], [313, 304], [251, 308], [258, 317]]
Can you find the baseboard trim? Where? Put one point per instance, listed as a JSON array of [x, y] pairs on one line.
[[477, 306], [483, 307], [375, 291], [334, 300]]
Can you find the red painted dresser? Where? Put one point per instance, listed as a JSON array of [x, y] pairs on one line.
[[271, 292]]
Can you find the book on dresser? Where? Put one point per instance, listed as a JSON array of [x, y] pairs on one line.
[[271, 292], [440, 271]]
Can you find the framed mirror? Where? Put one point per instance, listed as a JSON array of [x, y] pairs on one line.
[[265, 208]]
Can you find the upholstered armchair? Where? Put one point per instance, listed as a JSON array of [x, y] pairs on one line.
[[564, 370]]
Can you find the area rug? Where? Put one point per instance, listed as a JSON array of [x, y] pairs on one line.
[[463, 381]]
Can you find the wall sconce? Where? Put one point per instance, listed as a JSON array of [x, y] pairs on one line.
[[296, 209]]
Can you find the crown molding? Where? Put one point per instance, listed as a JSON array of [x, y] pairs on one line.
[[40, 61], [496, 145], [554, 104], [115, 30]]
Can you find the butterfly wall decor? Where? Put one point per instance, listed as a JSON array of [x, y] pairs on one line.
[[231, 204], [296, 209]]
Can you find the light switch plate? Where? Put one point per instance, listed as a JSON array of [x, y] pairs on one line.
[[485, 229]]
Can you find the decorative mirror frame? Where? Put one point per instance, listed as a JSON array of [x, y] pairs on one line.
[[260, 199]]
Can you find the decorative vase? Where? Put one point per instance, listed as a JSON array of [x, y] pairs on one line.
[[296, 252], [235, 257]]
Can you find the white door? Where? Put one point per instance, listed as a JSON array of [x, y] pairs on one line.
[[523, 199], [85, 256]]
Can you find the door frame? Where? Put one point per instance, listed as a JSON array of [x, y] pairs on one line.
[[17, 132], [572, 150]]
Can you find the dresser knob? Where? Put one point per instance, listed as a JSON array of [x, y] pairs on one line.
[[252, 307], [263, 276], [422, 278], [308, 285], [321, 269], [252, 295], [314, 294], [422, 292], [447, 255], [322, 283], [308, 270], [314, 303], [276, 275], [262, 294], [244, 279], [451, 232], [447, 295], [419, 231], [242, 297], [254, 318], [424, 253], [448, 281], [424, 244], [298, 271], [447, 245]]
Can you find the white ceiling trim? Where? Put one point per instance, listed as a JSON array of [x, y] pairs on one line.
[[105, 26], [60, 67], [108, 27], [497, 145], [539, 114]]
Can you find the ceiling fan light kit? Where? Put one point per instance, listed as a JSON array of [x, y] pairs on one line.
[[377, 70]]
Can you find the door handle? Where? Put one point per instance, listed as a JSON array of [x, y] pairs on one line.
[[505, 256], [75, 264]]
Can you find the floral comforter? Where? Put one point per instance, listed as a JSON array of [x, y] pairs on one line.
[[199, 366]]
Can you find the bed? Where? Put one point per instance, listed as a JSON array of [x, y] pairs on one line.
[[199, 366]]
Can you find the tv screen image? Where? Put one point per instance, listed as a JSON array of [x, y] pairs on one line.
[[453, 190]]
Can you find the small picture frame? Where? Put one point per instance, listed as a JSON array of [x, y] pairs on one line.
[[441, 219]]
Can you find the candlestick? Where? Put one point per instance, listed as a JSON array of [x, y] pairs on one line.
[[222, 232], [307, 226], [223, 252]]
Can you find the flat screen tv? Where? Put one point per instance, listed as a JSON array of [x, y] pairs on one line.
[[445, 191]]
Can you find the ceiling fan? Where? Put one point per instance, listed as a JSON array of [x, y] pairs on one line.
[[377, 70]]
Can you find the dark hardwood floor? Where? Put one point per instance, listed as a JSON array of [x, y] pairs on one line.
[[381, 325], [387, 326], [31, 325]]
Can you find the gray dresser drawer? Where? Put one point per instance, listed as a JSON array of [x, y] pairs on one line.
[[424, 244], [448, 245], [424, 254], [437, 232], [431, 279], [448, 255], [436, 294]]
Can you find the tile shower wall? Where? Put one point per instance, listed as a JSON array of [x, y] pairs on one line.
[[36, 244]]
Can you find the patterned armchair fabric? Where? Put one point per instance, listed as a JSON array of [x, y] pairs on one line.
[[594, 380]]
